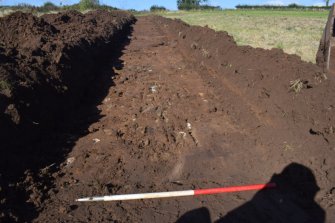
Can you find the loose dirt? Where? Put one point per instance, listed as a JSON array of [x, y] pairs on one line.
[[183, 107], [47, 62], [47, 65]]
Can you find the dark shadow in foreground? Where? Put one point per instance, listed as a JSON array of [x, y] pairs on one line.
[[292, 201]]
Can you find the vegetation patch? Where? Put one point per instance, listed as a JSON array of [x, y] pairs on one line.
[[295, 31], [195, 5], [156, 8], [292, 6], [296, 85], [5, 85], [48, 7]]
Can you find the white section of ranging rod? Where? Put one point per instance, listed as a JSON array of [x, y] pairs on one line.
[[139, 196]]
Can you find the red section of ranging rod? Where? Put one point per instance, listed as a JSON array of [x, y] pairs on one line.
[[233, 189]]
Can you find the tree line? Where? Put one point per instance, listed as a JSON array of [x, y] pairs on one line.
[[283, 7], [49, 6], [182, 5]]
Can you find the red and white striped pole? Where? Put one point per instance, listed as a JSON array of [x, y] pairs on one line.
[[179, 193]]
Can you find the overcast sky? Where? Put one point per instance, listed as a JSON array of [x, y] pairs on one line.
[[170, 4]]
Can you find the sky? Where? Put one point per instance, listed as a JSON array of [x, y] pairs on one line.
[[169, 4]]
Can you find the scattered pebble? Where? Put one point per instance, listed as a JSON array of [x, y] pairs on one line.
[[153, 89], [178, 182], [107, 100], [189, 126], [96, 140], [70, 160], [183, 134]]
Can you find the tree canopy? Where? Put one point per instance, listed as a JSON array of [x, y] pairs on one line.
[[189, 4]]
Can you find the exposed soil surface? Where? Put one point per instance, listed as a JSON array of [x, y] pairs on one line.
[[47, 62], [183, 107], [47, 66]]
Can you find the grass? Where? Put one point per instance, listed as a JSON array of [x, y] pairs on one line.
[[296, 85], [4, 12], [5, 85], [294, 31]]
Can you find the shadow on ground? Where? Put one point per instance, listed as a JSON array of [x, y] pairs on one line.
[[27, 171], [292, 201]]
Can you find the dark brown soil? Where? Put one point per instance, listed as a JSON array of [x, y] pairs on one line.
[[47, 66], [48, 62], [186, 109]]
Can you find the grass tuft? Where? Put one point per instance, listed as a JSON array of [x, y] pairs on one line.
[[296, 85], [5, 85]]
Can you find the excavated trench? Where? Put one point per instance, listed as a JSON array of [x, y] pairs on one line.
[[51, 67], [159, 106]]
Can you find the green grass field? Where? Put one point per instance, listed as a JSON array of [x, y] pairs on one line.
[[294, 31]]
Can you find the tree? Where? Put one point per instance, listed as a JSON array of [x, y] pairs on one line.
[[88, 4], [157, 8], [189, 4], [49, 6]]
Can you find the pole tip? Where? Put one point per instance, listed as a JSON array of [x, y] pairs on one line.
[[82, 199], [90, 199]]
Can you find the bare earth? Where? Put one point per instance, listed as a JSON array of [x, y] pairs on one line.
[[179, 107], [174, 121]]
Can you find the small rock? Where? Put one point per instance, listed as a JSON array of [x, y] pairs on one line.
[[70, 160], [183, 134], [153, 89], [96, 140], [189, 126], [107, 100]]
